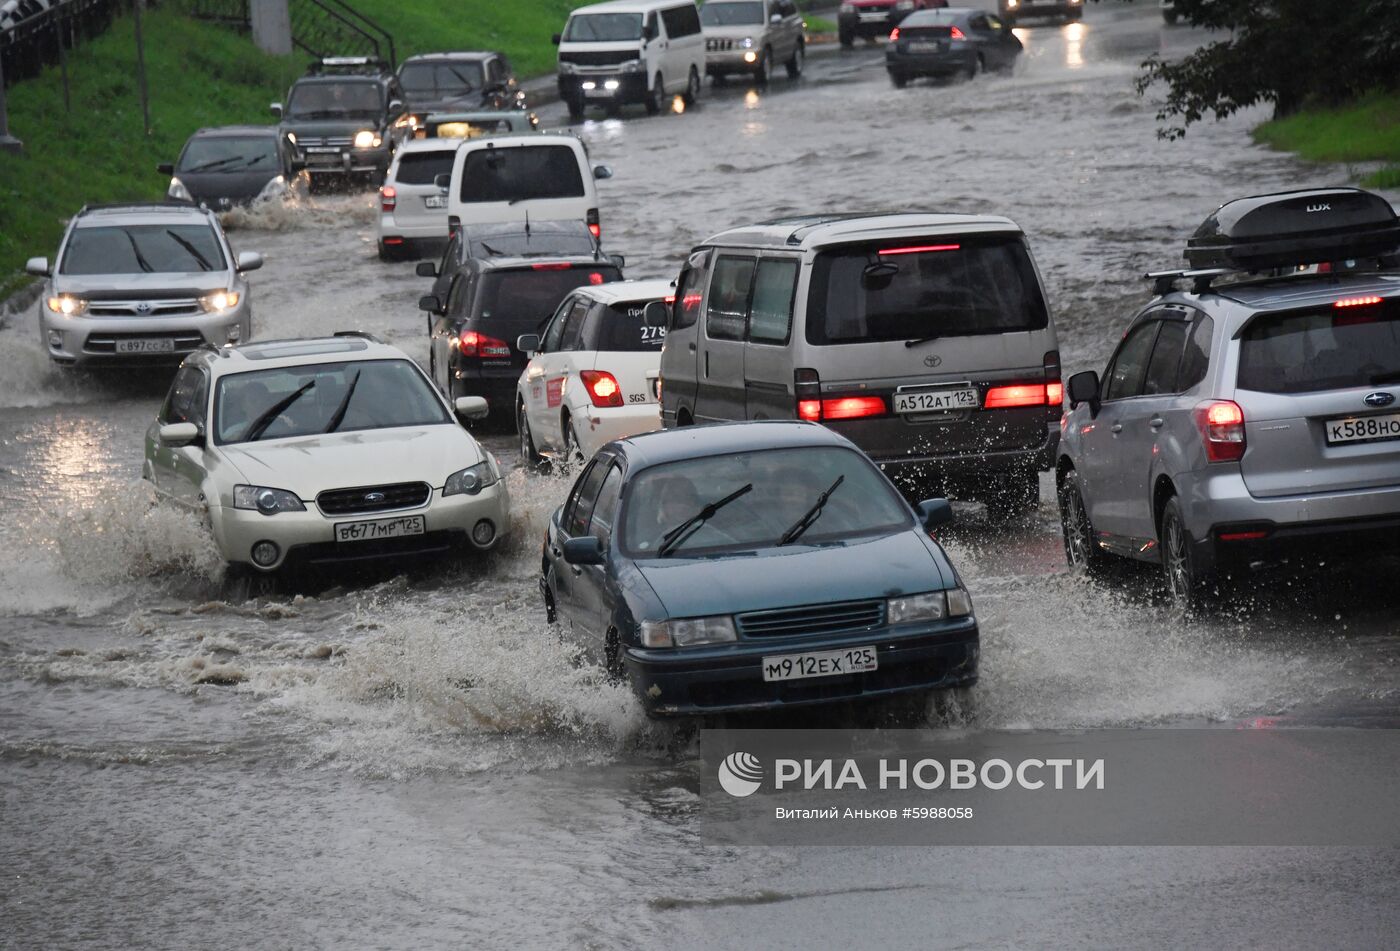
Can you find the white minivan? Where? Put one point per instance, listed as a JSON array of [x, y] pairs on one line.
[[627, 51], [532, 176]]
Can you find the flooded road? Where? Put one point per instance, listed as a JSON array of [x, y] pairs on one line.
[[410, 761]]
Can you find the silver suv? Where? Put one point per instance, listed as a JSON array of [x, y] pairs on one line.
[[142, 283], [753, 37], [1253, 416]]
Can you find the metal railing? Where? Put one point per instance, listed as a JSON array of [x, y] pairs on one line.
[[319, 27], [39, 33]]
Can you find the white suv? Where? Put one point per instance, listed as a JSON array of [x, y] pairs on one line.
[[590, 379], [323, 450]]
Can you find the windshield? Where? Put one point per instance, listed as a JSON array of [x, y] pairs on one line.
[[526, 298], [422, 168], [143, 249], [521, 173], [229, 154], [622, 329], [441, 80], [746, 13], [1330, 349], [915, 288], [603, 28], [387, 393], [322, 100], [786, 484]]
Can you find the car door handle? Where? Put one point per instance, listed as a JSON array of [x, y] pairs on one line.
[[1116, 428], [1156, 422]]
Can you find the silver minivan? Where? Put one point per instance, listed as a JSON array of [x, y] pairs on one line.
[[925, 339]]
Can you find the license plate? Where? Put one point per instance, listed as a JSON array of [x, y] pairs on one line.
[[597, 92], [945, 400], [925, 47], [379, 529], [435, 201], [852, 660], [1363, 428], [324, 149], [150, 345]]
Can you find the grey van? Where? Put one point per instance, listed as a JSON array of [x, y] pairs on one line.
[[924, 339]]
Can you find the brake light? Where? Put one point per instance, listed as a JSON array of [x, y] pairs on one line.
[[388, 197], [473, 344], [1366, 301], [602, 387], [810, 410], [551, 266], [853, 407], [919, 249], [1054, 394], [956, 34], [894, 34], [1242, 536], [596, 230], [595, 278], [594, 227], [1222, 427], [1054, 389], [1025, 394]]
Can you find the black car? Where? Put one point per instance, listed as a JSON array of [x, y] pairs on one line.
[[458, 82], [518, 239], [949, 42], [233, 165], [345, 117], [1067, 10], [489, 304]]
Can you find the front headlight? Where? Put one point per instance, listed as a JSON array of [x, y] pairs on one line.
[[275, 188], [219, 301], [473, 479], [260, 498], [959, 602], [746, 43], [687, 632], [365, 139], [632, 66], [178, 191], [932, 606], [67, 305]]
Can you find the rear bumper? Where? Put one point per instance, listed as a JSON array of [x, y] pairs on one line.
[[870, 25], [429, 229], [598, 426], [929, 64], [729, 679], [968, 470]]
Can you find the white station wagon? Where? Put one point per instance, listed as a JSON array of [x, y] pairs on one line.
[[323, 450]]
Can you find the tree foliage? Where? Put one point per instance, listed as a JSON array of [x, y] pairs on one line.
[[1285, 52]]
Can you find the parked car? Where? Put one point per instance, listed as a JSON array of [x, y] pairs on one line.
[[630, 51], [871, 19], [474, 125], [948, 43], [753, 37], [1251, 417], [454, 82], [141, 283], [925, 339], [490, 303], [511, 239], [412, 218], [234, 165], [590, 374], [1013, 11], [310, 452], [755, 565], [345, 116]]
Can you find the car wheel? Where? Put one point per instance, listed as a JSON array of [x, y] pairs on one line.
[[794, 65], [529, 455], [575, 107], [573, 454], [612, 658], [656, 98], [1081, 551], [242, 583], [551, 610], [1186, 583], [763, 69], [1014, 497], [975, 67], [955, 706], [848, 38], [898, 80], [692, 88]]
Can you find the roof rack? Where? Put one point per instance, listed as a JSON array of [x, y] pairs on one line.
[[348, 65], [365, 334], [167, 205], [1164, 282]]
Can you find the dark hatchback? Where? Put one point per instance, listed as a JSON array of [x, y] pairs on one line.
[[950, 42], [233, 165], [755, 565]]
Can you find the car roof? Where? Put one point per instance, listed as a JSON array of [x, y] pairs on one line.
[[694, 442], [630, 6], [429, 145], [268, 131], [815, 231], [479, 115], [938, 14], [524, 137], [291, 352], [377, 79], [140, 213], [1291, 293], [450, 56], [618, 292]]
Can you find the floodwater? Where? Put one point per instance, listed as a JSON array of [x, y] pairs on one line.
[[415, 761]]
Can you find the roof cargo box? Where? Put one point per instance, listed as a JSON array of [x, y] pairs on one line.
[[1292, 228]]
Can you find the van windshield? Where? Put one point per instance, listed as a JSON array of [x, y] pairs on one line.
[[919, 288], [732, 13], [603, 28], [1331, 349], [522, 173]]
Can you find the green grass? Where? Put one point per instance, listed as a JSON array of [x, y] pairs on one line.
[[1364, 131], [819, 24]]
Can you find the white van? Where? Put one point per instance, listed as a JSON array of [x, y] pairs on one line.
[[630, 51], [536, 176]]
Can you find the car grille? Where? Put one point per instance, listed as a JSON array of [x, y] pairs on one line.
[[107, 343], [814, 619], [143, 308], [336, 141], [718, 46], [357, 501], [598, 58]]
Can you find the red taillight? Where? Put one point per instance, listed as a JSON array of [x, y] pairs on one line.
[[594, 227], [894, 34], [602, 387], [810, 410], [1222, 427], [1054, 394], [1006, 397], [551, 266], [595, 278], [1242, 536], [1054, 389], [853, 407], [956, 34], [920, 249], [597, 230], [473, 344], [1366, 301], [393, 241], [388, 197]]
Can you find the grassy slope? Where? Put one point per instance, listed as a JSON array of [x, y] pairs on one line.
[[1366, 131]]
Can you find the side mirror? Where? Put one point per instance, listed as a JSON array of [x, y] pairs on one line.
[[528, 343], [776, 18], [1084, 388], [430, 303], [395, 106], [166, 168], [471, 407], [602, 171], [276, 109], [39, 267], [618, 260], [249, 261], [585, 550], [443, 180], [426, 269], [179, 434], [656, 314], [935, 512], [556, 39]]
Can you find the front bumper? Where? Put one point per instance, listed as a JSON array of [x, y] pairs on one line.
[[731, 61], [309, 537], [349, 161], [631, 87], [871, 24], [598, 426], [1036, 8], [728, 678], [93, 341]]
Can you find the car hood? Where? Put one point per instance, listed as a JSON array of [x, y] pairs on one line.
[[307, 465], [735, 32], [789, 577], [127, 286], [238, 186]]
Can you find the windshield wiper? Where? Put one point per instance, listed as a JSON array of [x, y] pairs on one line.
[[466, 83], [811, 515], [204, 264], [210, 166], [260, 424], [141, 261], [339, 415], [676, 536]]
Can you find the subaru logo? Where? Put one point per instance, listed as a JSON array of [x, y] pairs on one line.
[[143, 308], [1379, 399], [933, 360], [374, 498]]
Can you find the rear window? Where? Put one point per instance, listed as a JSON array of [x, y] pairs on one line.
[[917, 288], [521, 173], [1329, 349], [621, 328], [524, 299], [420, 168]]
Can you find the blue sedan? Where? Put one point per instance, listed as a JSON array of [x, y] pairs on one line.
[[753, 565]]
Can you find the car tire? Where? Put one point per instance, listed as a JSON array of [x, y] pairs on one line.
[[612, 658], [1187, 585], [656, 96], [798, 60], [551, 610], [764, 70], [573, 454], [955, 706], [243, 583], [1014, 497], [575, 107], [976, 66], [529, 455], [898, 80], [1081, 551], [692, 88], [847, 38]]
